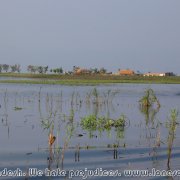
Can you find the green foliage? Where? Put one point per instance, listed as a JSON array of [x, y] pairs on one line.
[[46, 124], [5, 67], [57, 70], [70, 79], [15, 68], [171, 124], [147, 105], [89, 123], [39, 69], [149, 99], [16, 108], [120, 122], [93, 123]]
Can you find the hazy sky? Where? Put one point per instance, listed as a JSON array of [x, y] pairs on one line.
[[139, 34]]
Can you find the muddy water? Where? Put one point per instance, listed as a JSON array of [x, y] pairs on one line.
[[27, 110]]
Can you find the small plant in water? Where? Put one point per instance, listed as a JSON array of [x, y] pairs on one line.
[[93, 123], [149, 99], [149, 105], [171, 125], [16, 108]]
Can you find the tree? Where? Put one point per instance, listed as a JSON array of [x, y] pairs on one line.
[[45, 69], [31, 69], [57, 70], [15, 68], [0, 68], [60, 70], [94, 70], [102, 71], [18, 69], [40, 69], [5, 67]]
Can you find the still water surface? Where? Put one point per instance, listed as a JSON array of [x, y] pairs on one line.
[[24, 138]]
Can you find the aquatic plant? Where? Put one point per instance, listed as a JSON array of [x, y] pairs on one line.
[[16, 108], [171, 125], [149, 106], [149, 99], [95, 94], [89, 122], [93, 123]]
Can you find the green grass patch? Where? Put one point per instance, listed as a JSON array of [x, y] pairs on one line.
[[84, 79]]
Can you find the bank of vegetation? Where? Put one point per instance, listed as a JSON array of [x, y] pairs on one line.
[[83, 79], [44, 75]]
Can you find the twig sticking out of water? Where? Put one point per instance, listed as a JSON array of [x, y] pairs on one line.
[[77, 153], [115, 151]]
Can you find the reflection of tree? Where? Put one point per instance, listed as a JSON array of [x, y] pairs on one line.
[[152, 128], [119, 132], [5, 116], [149, 113], [149, 106]]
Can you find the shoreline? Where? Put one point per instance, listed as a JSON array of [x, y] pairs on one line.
[[84, 79]]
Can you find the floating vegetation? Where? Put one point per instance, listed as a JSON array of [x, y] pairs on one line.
[[93, 123], [16, 108]]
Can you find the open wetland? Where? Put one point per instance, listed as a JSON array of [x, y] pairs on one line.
[[48, 130]]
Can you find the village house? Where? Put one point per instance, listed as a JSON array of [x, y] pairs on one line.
[[80, 71], [154, 74], [159, 74], [126, 72]]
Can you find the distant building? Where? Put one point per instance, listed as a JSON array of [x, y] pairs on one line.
[[154, 74], [159, 74], [80, 71], [126, 72]]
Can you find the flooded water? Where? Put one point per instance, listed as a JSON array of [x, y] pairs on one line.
[[29, 113]]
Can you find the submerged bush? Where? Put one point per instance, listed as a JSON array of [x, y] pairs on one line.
[[89, 122], [94, 123], [149, 99]]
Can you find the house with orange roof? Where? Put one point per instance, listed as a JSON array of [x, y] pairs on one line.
[[126, 72]]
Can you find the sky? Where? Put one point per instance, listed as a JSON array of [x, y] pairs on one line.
[[141, 35]]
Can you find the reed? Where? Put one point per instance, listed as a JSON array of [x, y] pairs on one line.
[[171, 124]]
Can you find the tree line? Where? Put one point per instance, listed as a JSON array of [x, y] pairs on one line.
[[44, 69], [10, 68], [30, 68]]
